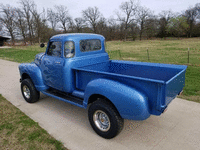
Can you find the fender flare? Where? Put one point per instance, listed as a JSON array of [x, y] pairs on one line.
[[130, 103], [35, 74]]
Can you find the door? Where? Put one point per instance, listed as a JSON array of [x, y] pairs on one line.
[[52, 66]]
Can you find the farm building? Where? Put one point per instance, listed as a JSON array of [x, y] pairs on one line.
[[3, 39]]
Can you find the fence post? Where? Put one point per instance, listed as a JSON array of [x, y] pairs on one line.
[[188, 55], [148, 53], [120, 55], [109, 53]]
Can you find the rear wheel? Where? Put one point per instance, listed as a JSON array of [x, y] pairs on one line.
[[105, 119], [29, 91]]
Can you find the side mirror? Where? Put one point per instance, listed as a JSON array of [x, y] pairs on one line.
[[42, 45]]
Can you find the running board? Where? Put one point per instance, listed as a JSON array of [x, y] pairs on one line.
[[64, 97]]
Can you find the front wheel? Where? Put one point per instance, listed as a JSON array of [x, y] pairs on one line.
[[29, 91], [105, 119]]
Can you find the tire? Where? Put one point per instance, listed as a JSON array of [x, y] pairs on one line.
[[105, 119], [29, 92]]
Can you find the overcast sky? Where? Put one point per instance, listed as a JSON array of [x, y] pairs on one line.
[[108, 7]]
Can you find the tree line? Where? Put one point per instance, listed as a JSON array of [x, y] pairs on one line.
[[131, 21]]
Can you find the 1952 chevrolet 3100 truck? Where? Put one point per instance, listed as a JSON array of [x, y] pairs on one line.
[[76, 69]]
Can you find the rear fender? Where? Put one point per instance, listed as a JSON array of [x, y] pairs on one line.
[[130, 103], [32, 70]]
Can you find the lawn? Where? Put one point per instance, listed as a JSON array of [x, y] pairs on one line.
[[21, 54], [173, 51], [18, 131], [161, 51]]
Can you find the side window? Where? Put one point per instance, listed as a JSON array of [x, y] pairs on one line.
[[54, 49], [69, 50], [90, 45]]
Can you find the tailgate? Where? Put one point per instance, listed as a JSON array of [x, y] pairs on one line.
[[174, 86]]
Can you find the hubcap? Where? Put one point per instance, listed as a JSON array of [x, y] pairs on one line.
[[101, 120], [26, 91]]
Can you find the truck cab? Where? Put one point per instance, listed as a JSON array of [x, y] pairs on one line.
[[67, 51]]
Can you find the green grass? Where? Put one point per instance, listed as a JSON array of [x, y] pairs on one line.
[[18, 131], [161, 51], [21, 54], [192, 84]]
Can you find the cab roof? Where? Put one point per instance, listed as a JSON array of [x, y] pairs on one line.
[[76, 36]]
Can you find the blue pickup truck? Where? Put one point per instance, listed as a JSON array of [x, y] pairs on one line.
[[76, 69]]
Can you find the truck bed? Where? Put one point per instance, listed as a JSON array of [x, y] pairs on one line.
[[160, 82]]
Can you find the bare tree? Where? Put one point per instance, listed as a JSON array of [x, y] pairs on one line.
[[122, 34], [92, 16], [192, 14], [1, 26], [21, 24], [45, 32], [151, 27], [63, 16], [71, 25], [167, 14], [52, 18], [111, 29], [112, 23], [79, 24], [164, 19], [34, 20], [27, 6], [142, 15], [134, 30], [37, 24], [102, 26], [129, 10], [8, 18]]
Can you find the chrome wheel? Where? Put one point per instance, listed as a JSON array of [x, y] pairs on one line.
[[101, 120], [29, 92], [26, 91]]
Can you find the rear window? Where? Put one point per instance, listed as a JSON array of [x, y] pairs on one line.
[[90, 45]]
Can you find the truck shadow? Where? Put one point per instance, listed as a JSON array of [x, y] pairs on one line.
[[147, 133]]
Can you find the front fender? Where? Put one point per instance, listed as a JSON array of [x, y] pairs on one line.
[[130, 103], [35, 74]]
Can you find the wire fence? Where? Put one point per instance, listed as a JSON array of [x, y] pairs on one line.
[[188, 56]]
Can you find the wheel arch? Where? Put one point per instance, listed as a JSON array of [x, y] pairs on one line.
[[95, 97], [25, 76], [33, 72], [129, 102]]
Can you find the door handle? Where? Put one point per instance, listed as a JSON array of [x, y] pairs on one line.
[[57, 62]]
